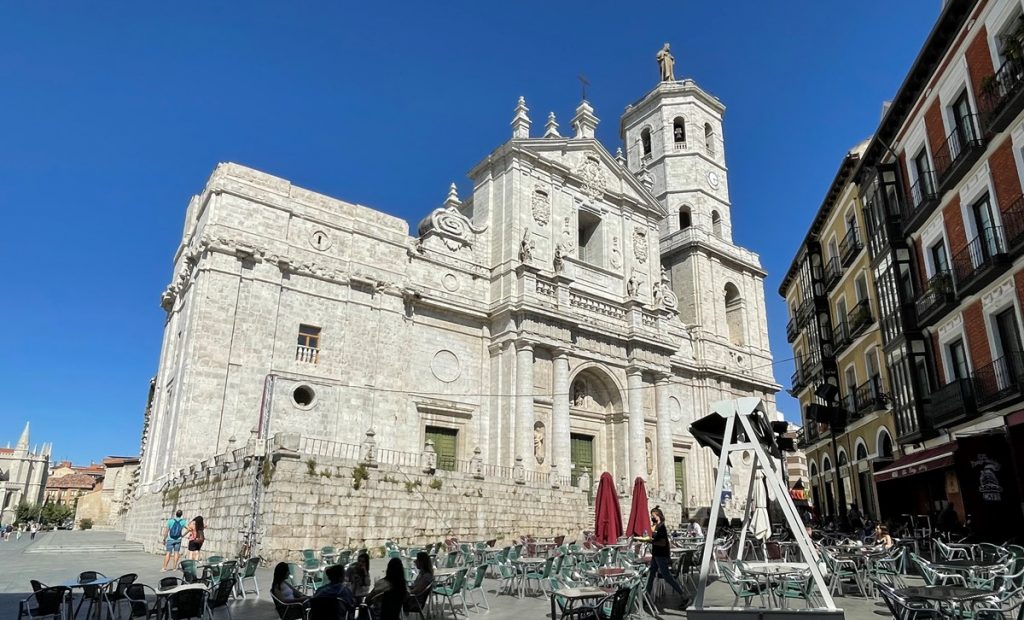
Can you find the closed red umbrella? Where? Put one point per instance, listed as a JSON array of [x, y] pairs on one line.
[[607, 515], [639, 514]]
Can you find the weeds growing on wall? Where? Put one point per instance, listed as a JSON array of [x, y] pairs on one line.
[[359, 475], [311, 467]]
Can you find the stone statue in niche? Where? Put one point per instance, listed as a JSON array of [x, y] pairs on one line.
[[632, 286], [666, 64], [616, 257], [558, 262], [650, 456], [538, 441], [526, 247]]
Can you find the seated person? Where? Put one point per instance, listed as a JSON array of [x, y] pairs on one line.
[[390, 592], [358, 574], [882, 537], [335, 587], [423, 585], [284, 591], [694, 529]]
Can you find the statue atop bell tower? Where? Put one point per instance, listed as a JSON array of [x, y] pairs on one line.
[[667, 64]]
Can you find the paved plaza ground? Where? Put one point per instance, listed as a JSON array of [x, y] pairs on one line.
[[55, 557]]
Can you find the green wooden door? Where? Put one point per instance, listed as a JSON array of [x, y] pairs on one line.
[[445, 445], [681, 478], [581, 452]]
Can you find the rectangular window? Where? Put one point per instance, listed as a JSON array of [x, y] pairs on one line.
[[861, 285], [984, 224], [308, 349], [680, 470], [1007, 332], [921, 166], [446, 443], [962, 119], [581, 452], [940, 262], [957, 359], [588, 239]]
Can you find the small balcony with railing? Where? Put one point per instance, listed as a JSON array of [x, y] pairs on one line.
[[792, 330], [951, 404], [860, 318], [983, 259], [841, 336], [868, 397], [937, 299], [961, 148], [850, 246], [1013, 227], [1000, 382], [797, 382], [833, 273], [921, 202], [805, 313], [307, 355], [1002, 95]]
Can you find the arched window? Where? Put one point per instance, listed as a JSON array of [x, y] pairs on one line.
[[734, 314], [826, 464], [814, 469], [842, 458], [862, 451], [709, 139], [884, 447], [716, 224], [679, 132], [685, 219], [645, 141]]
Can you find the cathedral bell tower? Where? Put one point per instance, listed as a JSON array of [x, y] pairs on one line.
[[673, 142]]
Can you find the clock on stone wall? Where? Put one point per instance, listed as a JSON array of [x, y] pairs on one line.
[[713, 179]]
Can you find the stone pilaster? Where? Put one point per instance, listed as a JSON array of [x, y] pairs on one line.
[[524, 403], [637, 456], [666, 462], [560, 412]]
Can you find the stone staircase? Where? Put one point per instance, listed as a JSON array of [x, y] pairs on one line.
[[89, 541]]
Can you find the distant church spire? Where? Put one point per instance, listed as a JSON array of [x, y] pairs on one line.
[[521, 122], [23, 442]]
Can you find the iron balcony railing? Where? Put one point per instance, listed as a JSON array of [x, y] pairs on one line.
[[1000, 380], [850, 246], [833, 272], [961, 147], [938, 294], [792, 330], [924, 197], [859, 318], [978, 258], [840, 336], [951, 404], [1013, 224], [1001, 99], [870, 396]]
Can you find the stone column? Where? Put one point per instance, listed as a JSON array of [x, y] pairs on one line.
[[524, 403], [666, 462], [559, 436], [637, 454]]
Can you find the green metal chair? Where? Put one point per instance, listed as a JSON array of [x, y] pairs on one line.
[[249, 572], [508, 575], [451, 559], [476, 584], [456, 589], [795, 587], [328, 554], [313, 575], [344, 557], [542, 576], [742, 587], [308, 554], [215, 559], [188, 571]]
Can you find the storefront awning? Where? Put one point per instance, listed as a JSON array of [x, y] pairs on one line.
[[918, 463]]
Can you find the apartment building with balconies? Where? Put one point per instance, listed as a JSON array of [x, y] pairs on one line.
[[831, 294], [940, 183]]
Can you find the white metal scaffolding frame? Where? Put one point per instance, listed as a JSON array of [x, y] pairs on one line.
[[737, 414]]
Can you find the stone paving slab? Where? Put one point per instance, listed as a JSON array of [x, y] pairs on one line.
[[55, 557]]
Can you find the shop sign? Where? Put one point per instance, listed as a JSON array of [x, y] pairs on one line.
[[988, 480]]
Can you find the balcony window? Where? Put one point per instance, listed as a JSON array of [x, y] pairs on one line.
[[679, 133], [588, 240], [962, 146], [850, 246], [308, 349], [860, 318], [645, 143], [957, 358]]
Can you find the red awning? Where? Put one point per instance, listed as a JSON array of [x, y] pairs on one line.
[[918, 463]]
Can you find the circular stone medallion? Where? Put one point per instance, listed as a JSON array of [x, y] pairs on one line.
[[450, 282], [445, 366]]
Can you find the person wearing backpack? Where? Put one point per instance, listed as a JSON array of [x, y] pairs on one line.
[[173, 532]]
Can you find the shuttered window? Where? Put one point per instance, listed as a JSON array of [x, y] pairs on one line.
[[446, 441]]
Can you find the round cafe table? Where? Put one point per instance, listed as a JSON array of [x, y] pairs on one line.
[[954, 596]]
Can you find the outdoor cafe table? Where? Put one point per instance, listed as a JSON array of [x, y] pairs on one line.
[[524, 565], [954, 596], [575, 595], [608, 576], [100, 582], [971, 567], [766, 571], [161, 596]]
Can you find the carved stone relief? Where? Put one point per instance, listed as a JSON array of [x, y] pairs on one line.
[[541, 206], [641, 248]]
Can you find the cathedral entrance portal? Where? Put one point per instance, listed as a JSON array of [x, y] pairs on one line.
[[598, 424]]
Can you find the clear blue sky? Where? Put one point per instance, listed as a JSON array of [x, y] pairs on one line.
[[114, 114]]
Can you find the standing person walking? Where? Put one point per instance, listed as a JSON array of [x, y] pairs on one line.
[[171, 534], [196, 537], [661, 557], [33, 529]]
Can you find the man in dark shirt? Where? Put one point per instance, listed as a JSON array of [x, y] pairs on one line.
[[336, 588]]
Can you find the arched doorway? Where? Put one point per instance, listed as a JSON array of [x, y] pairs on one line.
[[596, 440]]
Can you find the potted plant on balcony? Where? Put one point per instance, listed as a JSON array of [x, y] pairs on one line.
[[941, 285], [860, 317]]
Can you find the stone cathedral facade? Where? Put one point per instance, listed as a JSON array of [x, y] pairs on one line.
[[569, 313]]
